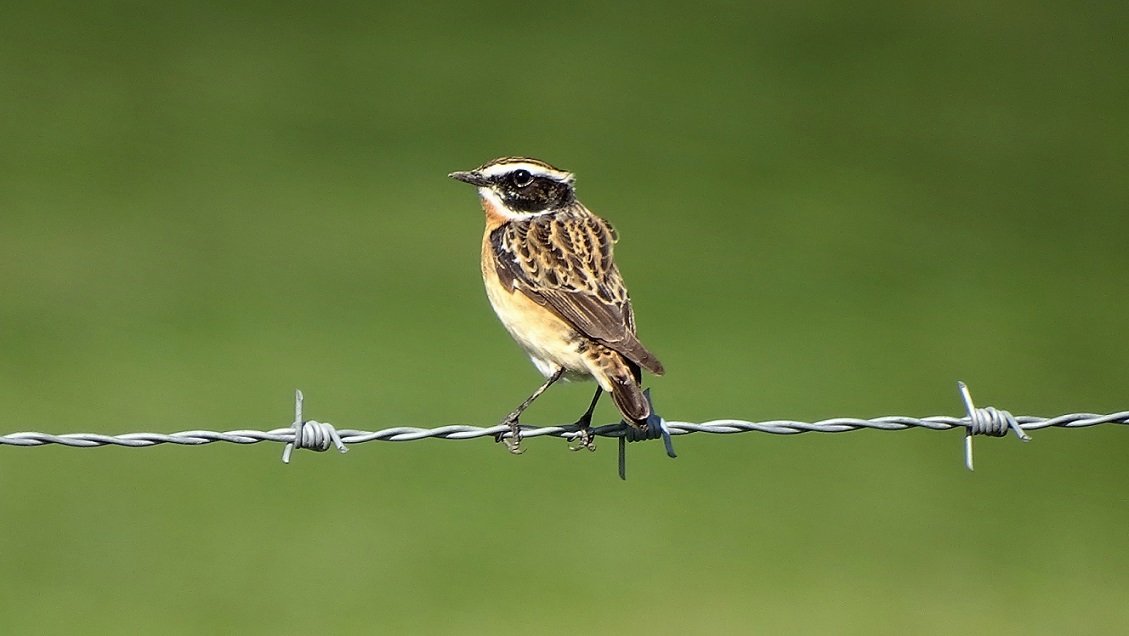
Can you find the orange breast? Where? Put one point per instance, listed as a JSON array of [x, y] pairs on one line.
[[550, 342], [494, 216]]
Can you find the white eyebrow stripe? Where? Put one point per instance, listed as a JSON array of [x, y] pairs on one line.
[[533, 168]]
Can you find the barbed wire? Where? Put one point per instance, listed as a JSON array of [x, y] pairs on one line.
[[320, 436]]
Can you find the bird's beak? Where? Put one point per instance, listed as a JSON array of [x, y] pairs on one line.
[[472, 177]]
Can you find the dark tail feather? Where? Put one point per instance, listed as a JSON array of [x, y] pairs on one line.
[[630, 401]]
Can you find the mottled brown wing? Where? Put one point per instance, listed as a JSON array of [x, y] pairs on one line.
[[564, 262]]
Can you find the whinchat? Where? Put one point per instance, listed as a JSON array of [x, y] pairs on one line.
[[552, 279]]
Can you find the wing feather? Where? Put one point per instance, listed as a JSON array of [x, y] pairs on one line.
[[564, 262]]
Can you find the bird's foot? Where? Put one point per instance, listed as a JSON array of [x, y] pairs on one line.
[[513, 442], [584, 438]]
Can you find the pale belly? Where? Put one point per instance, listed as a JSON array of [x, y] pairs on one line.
[[550, 342]]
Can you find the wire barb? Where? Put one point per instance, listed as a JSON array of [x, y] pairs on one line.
[[986, 421], [310, 434], [654, 428]]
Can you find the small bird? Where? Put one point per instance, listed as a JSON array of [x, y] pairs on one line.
[[551, 277]]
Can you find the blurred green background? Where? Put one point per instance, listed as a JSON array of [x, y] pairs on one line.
[[825, 209]]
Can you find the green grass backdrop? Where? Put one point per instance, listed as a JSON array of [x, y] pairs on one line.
[[825, 209]]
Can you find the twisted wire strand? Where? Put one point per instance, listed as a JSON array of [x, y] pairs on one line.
[[319, 436], [461, 432]]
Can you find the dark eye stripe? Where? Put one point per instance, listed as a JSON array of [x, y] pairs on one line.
[[532, 193]]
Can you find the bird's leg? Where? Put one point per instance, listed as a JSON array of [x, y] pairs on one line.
[[584, 433], [511, 420]]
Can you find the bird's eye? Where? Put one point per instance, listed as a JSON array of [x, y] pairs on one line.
[[522, 178]]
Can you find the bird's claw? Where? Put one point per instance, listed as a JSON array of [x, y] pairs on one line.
[[513, 442], [584, 440]]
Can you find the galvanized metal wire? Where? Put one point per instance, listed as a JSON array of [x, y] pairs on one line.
[[320, 436], [461, 431]]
